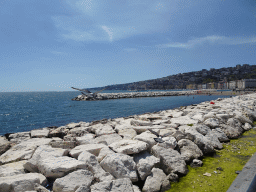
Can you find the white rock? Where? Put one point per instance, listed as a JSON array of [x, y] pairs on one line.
[[218, 133], [171, 160], [145, 162], [86, 139], [153, 182], [43, 151], [140, 123], [21, 182], [4, 145], [128, 133], [184, 120], [147, 137], [169, 142], [94, 167], [73, 181], [212, 122], [92, 148], [129, 146], [189, 150], [19, 137], [104, 130], [56, 167], [247, 126], [108, 139], [103, 152], [120, 166], [11, 169], [119, 185], [40, 133]]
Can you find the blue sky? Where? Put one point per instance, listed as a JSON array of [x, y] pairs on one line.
[[51, 45]]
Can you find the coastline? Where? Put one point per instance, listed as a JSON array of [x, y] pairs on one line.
[[188, 133]]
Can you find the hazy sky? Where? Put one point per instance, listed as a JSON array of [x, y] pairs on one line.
[[55, 44]]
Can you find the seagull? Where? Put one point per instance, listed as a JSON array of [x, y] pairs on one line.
[[159, 137], [89, 93]]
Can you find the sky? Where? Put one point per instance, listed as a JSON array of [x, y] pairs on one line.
[[51, 45]]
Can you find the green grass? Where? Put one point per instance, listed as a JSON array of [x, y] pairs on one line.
[[231, 158]]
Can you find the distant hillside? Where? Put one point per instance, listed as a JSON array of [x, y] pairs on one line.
[[181, 80]]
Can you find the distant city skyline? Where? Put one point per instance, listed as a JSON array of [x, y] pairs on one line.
[[54, 45]]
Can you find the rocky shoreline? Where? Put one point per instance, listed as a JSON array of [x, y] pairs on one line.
[[105, 96], [138, 153]]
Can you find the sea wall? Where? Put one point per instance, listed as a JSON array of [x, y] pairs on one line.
[[138, 153], [104, 96]]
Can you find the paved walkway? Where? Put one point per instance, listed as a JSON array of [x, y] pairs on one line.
[[246, 180]]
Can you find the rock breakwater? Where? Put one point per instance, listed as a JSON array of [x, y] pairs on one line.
[[105, 96], [138, 153]]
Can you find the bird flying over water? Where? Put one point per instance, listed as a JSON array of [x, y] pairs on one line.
[[89, 93]]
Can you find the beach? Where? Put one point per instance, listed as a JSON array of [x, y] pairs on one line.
[[146, 152]]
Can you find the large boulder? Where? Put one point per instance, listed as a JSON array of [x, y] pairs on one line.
[[58, 132], [127, 133], [103, 153], [92, 148], [126, 146], [154, 181], [40, 133], [72, 181], [23, 150], [140, 123], [4, 145], [94, 167], [108, 139], [11, 169], [21, 182], [189, 150], [212, 122], [86, 139], [55, 167], [19, 137], [120, 166], [147, 137], [171, 160], [218, 133], [102, 129], [231, 132], [169, 142], [119, 185], [145, 162], [43, 151], [184, 120]]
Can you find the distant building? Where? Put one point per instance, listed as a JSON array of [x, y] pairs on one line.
[[246, 83], [232, 84]]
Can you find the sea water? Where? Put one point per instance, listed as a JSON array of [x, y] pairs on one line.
[[24, 111]]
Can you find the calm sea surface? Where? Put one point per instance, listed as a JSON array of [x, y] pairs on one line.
[[31, 110]]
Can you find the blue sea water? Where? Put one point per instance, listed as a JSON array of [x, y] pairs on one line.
[[24, 111]]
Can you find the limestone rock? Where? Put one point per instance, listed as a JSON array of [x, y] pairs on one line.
[[145, 162], [219, 134], [108, 139], [119, 185], [212, 122], [92, 148], [147, 137], [73, 181], [196, 163], [231, 132], [169, 142], [4, 145], [59, 132], [43, 151], [56, 167], [170, 160], [94, 167], [86, 139], [40, 133], [63, 144], [120, 166], [247, 126], [154, 181], [140, 123], [11, 169], [128, 133], [184, 120], [189, 150], [129, 146], [19, 137], [103, 152], [104, 130], [79, 131], [141, 129], [21, 182]]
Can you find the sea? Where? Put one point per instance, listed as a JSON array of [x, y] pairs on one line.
[[25, 111]]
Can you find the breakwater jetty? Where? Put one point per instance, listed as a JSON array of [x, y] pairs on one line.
[[132, 154], [105, 96]]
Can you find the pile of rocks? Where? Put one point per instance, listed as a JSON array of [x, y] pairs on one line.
[[140, 153], [104, 96]]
